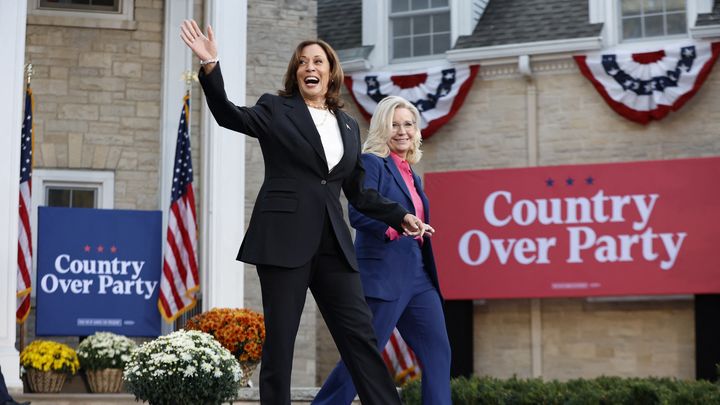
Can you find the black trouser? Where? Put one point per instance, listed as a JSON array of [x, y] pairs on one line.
[[338, 292]]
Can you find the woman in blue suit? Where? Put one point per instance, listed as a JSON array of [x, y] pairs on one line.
[[398, 273]]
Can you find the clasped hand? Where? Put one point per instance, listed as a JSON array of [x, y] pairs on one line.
[[413, 226]]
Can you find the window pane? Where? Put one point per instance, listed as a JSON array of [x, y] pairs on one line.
[[57, 197], [441, 43], [441, 22], [439, 3], [401, 48], [674, 5], [653, 6], [419, 4], [631, 7], [421, 25], [676, 24], [83, 198], [401, 26], [399, 5], [82, 5], [421, 45], [654, 26], [631, 28]]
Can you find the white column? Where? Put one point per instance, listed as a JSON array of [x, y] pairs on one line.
[[12, 42], [223, 194], [176, 60]]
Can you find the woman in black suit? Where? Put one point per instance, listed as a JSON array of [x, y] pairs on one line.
[[297, 236]]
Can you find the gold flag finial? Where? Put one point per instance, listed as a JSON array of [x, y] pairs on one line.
[[28, 72], [188, 77]]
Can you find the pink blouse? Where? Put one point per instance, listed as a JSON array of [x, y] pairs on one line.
[[406, 173]]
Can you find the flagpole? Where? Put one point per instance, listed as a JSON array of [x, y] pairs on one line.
[[28, 76]]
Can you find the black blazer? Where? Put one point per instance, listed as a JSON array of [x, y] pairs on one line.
[[297, 191]]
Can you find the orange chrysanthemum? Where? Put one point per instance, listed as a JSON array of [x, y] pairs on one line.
[[241, 331]]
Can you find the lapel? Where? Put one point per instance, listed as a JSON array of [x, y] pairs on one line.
[[390, 165], [298, 113], [348, 139]]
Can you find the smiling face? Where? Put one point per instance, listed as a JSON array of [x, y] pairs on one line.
[[403, 132], [313, 74]]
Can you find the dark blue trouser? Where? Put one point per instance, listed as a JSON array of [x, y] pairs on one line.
[[419, 318]]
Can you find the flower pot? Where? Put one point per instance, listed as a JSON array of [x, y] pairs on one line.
[[106, 380], [45, 381], [248, 367]]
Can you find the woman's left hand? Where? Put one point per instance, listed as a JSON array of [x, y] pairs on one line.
[[413, 226], [203, 46]]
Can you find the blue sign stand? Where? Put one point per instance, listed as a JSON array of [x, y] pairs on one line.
[[98, 270]]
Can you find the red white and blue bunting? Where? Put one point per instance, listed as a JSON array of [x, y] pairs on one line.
[[438, 92], [647, 86]]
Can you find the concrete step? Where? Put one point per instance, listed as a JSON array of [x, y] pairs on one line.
[[246, 396]]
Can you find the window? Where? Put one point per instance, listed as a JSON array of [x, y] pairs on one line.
[[71, 197], [652, 18], [106, 6], [112, 14], [419, 28]]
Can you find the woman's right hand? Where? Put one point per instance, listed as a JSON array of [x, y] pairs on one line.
[[204, 47]]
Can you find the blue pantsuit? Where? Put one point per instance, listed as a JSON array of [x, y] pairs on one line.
[[401, 287]]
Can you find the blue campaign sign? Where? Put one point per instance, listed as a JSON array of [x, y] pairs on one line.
[[98, 270]]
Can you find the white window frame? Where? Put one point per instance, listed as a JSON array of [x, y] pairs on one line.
[[124, 19], [102, 181], [608, 13], [376, 32], [412, 14], [652, 38]]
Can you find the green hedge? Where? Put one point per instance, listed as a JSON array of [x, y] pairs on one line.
[[598, 391]]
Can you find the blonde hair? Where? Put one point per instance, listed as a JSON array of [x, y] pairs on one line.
[[380, 130]]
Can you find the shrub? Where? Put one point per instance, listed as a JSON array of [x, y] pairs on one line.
[[598, 391]]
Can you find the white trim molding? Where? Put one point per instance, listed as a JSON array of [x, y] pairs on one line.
[[223, 201], [528, 48], [705, 32], [355, 65], [12, 41]]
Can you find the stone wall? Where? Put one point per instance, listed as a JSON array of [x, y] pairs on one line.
[[97, 101]]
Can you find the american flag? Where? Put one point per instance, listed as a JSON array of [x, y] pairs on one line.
[[180, 278], [400, 359], [24, 283]]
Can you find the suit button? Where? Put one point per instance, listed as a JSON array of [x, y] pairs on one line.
[[323, 182]]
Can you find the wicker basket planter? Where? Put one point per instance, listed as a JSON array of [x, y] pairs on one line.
[[45, 381], [248, 367], [106, 380]]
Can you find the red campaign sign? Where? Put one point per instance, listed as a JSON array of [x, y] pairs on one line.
[[640, 228]]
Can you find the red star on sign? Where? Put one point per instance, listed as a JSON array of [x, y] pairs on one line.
[[87, 248], [113, 249], [101, 249]]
